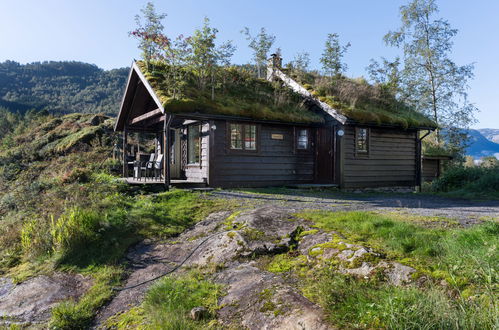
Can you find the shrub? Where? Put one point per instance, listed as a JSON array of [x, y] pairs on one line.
[[481, 182]]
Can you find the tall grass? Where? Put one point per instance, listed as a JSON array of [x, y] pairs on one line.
[[169, 302]]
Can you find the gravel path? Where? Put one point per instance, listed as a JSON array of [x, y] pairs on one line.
[[465, 212]]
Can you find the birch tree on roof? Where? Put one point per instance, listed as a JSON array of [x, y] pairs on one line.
[[260, 44]]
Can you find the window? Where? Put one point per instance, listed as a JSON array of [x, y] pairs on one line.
[[302, 139], [193, 144], [361, 140], [242, 137]]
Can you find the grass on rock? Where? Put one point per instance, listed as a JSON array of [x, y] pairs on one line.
[[460, 265]]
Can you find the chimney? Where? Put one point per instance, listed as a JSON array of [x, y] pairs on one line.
[[275, 62]]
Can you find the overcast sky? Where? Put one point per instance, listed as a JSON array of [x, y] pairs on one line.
[[96, 31]]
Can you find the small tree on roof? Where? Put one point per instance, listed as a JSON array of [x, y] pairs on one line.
[[206, 57], [149, 27], [260, 44], [333, 55]]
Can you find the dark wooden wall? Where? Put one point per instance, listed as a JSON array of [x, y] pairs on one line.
[[391, 160], [275, 163], [431, 169]]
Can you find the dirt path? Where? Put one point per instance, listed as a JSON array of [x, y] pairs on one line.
[[465, 212]]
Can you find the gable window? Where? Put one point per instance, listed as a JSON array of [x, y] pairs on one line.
[[193, 144], [302, 141], [362, 140], [242, 137]]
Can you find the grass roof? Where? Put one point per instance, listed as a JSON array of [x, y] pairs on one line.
[[237, 93], [362, 102]]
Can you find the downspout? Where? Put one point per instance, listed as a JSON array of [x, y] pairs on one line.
[[167, 153], [419, 159]]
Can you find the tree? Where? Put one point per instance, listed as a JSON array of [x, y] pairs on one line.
[[386, 74], [206, 57], [332, 56], [432, 83], [147, 31], [301, 62], [260, 45]]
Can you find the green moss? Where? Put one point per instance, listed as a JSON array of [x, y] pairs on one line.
[[134, 318], [242, 95], [308, 232], [282, 263], [229, 222]]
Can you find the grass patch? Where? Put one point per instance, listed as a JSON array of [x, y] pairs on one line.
[[465, 258], [356, 303], [79, 315], [169, 302]]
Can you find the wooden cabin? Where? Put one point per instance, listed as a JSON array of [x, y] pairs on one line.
[[313, 143]]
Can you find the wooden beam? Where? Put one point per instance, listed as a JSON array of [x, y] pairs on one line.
[[145, 116], [125, 165]]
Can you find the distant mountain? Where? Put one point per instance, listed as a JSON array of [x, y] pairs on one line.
[[63, 87], [492, 134], [480, 146]]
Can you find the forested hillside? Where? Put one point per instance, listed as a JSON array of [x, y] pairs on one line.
[[62, 87]]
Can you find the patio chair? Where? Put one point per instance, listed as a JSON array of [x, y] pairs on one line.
[[158, 166], [143, 167]]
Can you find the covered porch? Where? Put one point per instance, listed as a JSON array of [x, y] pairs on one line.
[[160, 148]]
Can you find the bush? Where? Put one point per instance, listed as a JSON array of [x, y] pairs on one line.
[[481, 182]]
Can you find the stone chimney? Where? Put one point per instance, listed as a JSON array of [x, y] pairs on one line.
[[274, 62]]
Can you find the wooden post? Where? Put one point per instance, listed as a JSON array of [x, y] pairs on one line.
[[166, 151], [125, 164], [418, 163]]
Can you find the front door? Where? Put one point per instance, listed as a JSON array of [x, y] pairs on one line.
[[324, 153]]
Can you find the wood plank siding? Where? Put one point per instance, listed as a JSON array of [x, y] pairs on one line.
[[390, 160], [431, 169], [276, 162]]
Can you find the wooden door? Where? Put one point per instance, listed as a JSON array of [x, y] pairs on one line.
[[325, 155]]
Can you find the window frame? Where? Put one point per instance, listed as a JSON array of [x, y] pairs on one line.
[[243, 150], [200, 129], [362, 153], [309, 139]]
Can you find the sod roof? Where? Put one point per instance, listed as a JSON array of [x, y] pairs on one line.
[[362, 102], [240, 95]]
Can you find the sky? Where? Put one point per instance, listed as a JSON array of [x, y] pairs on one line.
[[96, 31]]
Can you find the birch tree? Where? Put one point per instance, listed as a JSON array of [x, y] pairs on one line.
[[432, 82], [260, 44]]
